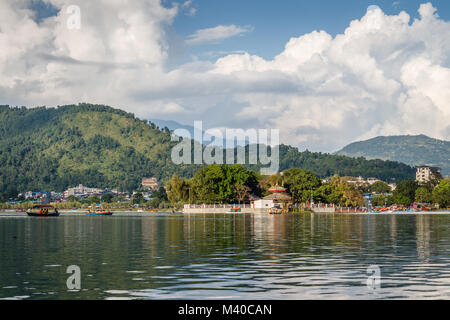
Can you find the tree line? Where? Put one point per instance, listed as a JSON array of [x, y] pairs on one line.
[[231, 184]]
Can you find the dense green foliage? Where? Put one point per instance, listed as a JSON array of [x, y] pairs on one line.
[[300, 183], [382, 200], [380, 187], [405, 192], [214, 184], [220, 184], [217, 183], [423, 195], [326, 165], [412, 150], [95, 145], [441, 194]]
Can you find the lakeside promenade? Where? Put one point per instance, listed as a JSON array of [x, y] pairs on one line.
[[319, 208]]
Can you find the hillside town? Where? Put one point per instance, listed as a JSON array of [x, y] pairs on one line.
[[82, 192]]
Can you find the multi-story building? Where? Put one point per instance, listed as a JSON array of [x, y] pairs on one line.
[[426, 173], [150, 183], [82, 191]]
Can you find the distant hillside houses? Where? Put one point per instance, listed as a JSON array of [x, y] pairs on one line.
[[42, 196], [356, 180], [425, 174], [82, 191], [85, 192]]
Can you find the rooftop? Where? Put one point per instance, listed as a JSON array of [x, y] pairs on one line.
[[277, 189], [278, 196]]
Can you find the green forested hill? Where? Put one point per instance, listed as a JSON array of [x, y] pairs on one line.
[[55, 148], [412, 150], [42, 149]]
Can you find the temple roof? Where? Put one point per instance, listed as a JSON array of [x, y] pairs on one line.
[[278, 196], [277, 189]]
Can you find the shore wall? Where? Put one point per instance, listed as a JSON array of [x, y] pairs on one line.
[[324, 210], [223, 210]]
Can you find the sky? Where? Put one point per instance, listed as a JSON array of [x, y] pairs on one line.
[[325, 73]]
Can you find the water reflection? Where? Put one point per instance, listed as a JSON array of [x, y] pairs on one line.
[[205, 256]]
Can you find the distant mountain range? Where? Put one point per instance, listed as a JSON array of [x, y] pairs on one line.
[[412, 150]]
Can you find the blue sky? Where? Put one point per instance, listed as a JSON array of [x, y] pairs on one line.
[[272, 22], [275, 22]]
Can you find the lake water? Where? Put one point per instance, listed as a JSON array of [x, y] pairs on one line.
[[225, 256]]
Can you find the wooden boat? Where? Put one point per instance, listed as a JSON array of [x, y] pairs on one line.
[[275, 211], [235, 210], [43, 210], [99, 212]]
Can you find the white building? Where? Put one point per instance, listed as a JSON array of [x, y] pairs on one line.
[[426, 173], [82, 191], [262, 204]]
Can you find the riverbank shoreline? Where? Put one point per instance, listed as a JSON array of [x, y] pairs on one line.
[[68, 213]]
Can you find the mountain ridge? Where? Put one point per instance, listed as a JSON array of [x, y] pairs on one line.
[[414, 150]]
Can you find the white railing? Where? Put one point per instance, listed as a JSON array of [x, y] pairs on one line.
[[216, 206]]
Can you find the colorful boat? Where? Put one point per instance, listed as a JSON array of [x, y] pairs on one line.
[[275, 210], [98, 211], [235, 209], [43, 210]]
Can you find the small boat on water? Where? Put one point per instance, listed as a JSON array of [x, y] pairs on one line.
[[235, 209], [99, 212], [275, 211], [43, 210]]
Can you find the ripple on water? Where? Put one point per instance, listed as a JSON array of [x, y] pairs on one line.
[[294, 257]]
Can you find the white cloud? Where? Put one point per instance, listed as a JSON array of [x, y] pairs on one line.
[[373, 7], [187, 3], [384, 75], [192, 12], [48, 63], [216, 34], [188, 9]]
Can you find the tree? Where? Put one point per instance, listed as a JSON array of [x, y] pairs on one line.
[[380, 187], [441, 194], [107, 198], [177, 190], [299, 183], [93, 200], [138, 198], [382, 200], [431, 184], [340, 192], [405, 193], [159, 198], [216, 183], [423, 195], [402, 200], [352, 198], [242, 192], [72, 198]]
